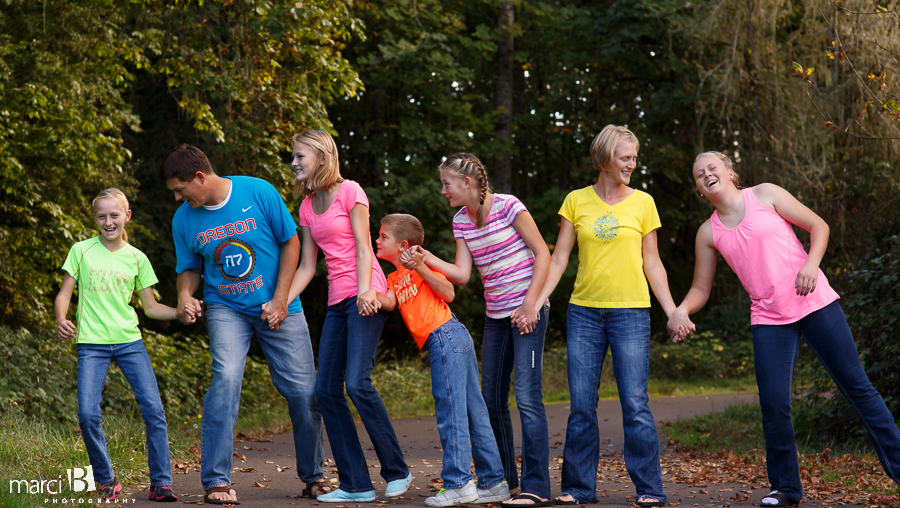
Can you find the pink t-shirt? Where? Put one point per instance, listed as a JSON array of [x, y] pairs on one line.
[[333, 233], [766, 255]]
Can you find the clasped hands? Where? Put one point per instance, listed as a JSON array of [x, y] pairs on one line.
[[679, 325]]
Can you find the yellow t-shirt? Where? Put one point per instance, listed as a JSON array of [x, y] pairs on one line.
[[610, 263]]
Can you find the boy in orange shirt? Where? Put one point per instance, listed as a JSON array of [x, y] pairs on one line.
[[422, 297]]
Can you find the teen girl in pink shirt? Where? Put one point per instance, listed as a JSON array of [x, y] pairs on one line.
[[790, 297], [335, 216]]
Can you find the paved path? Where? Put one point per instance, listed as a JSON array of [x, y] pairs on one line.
[[265, 474]]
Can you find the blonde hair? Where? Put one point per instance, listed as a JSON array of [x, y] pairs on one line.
[[112, 193], [603, 148], [724, 159], [404, 227], [327, 175], [467, 165]]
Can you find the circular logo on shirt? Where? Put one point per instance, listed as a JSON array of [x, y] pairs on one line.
[[606, 227], [235, 259]]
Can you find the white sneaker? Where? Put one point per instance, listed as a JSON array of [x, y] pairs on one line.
[[495, 494], [452, 497]]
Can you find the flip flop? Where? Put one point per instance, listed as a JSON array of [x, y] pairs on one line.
[[317, 488], [535, 501], [653, 502], [560, 502], [220, 488]]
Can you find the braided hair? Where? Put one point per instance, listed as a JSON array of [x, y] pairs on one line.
[[467, 165]]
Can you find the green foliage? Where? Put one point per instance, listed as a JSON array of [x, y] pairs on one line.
[[702, 357], [42, 373], [737, 428]]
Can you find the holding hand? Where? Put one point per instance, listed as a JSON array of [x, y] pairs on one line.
[[413, 256], [274, 311], [525, 321], [189, 310], [367, 303], [65, 329], [680, 325]]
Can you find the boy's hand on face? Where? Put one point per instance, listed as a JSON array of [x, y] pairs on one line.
[[65, 329]]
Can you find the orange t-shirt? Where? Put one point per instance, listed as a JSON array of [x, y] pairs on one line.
[[423, 311]]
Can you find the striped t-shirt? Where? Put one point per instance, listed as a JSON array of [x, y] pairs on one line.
[[501, 255]]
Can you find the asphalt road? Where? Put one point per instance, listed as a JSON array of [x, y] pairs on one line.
[[265, 475]]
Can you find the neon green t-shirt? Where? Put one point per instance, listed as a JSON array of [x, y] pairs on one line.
[[610, 259], [106, 281]]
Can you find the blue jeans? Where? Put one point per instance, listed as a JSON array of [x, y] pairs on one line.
[[502, 349], [627, 332], [288, 353], [462, 417], [134, 362], [775, 349], [347, 350]]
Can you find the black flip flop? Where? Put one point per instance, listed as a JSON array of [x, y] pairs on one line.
[[535, 501], [559, 502], [220, 488]]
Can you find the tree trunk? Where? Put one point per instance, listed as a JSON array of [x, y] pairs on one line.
[[504, 97]]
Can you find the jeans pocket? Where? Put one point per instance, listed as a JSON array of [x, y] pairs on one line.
[[458, 337]]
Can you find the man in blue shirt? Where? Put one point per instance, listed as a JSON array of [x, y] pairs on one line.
[[238, 236]]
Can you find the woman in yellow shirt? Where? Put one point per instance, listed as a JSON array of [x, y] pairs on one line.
[[615, 228]]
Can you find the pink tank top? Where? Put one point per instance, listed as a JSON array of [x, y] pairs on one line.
[[766, 255]]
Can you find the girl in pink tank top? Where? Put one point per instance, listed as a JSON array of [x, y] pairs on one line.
[[791, 298]]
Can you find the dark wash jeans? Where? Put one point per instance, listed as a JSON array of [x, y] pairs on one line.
[[775, 349], [347, 353], [503, 349]]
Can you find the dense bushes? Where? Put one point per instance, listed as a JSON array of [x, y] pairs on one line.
[[703, 356], [41, 375]]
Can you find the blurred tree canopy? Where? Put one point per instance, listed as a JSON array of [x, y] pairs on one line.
[[96, 93]]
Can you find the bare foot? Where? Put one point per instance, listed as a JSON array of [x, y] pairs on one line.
[[566, 499], [514, 492]]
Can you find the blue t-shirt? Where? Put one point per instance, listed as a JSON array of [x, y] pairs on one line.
[[238, 245]]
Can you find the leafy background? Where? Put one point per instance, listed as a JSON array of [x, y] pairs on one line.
[[95, 93]]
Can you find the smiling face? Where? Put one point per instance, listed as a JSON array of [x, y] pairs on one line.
[[389, 248], [712, 176], [454, 188], [111, 215], [305, 162], [624, 161]]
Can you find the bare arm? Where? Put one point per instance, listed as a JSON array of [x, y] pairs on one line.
[[528, 230], [388, 301], [458, 272], [65, 329], [154, 309], [441, 286], [307, 269], [559, 260], [359, 222], [188, 309], [798, 214], [275, 311], [656, 273], [679, 324]]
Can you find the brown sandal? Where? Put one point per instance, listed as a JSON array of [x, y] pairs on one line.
[[317, 488], [219, 488]]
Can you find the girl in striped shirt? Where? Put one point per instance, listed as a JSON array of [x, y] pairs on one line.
[[500, 236]]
